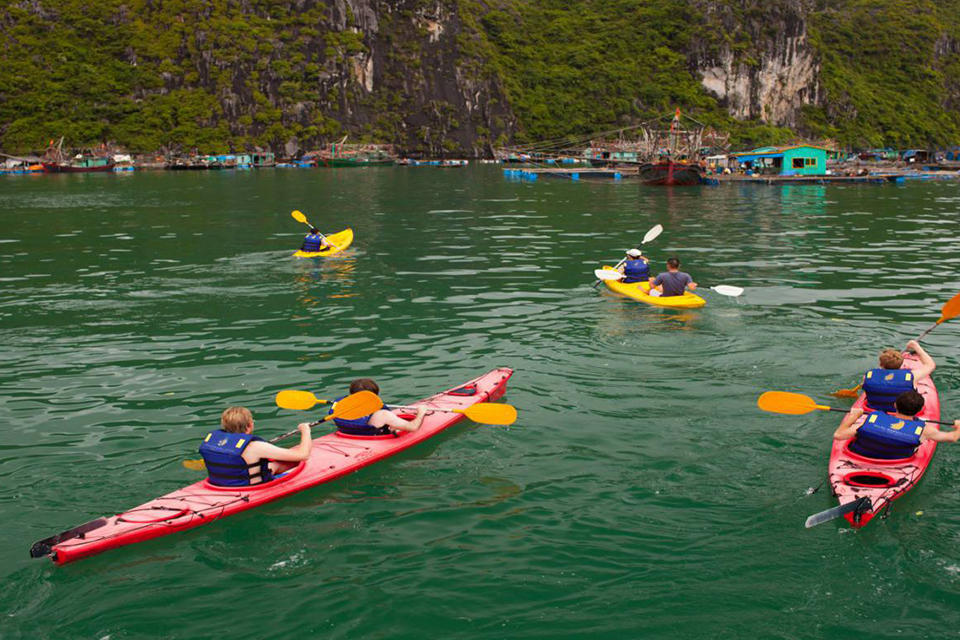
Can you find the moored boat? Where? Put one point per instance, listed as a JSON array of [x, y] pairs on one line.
[[333, 455], [670, 172], [854, 477], [54, 161], [80, 164]]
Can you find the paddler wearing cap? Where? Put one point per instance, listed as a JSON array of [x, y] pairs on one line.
[[635, 267]]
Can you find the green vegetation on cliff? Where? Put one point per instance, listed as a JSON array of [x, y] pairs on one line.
[[222, 74], [891, 72]]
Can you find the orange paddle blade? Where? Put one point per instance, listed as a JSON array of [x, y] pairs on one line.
[[792, 404], [356, 405], [847, 393], [490, 413], [951, 309], [297, 400]]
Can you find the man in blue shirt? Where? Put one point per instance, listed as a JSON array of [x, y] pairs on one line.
[[674, 282]]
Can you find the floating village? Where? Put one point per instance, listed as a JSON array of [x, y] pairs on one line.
[[671, 150]]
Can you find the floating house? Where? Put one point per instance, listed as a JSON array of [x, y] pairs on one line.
[[916, 156], [263, 159], [799, 160]]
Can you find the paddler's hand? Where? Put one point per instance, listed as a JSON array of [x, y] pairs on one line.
[[304, 428], [913, 346], [856, 412], [421, 411]]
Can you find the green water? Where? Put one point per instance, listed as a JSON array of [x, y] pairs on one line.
[[640, 494]]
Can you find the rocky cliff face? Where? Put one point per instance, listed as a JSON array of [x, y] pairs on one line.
[[416, 79], [247, 74], [764, 68], [451, 77]]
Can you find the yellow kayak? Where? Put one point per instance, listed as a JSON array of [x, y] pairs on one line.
[[340, 241], [641, 291]]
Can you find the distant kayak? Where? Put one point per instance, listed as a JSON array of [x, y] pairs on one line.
[[333, 455], [342, 240], [641, 291], [853, 476]]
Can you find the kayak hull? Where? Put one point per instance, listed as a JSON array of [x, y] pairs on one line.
[[340, 240], [882, 481], [333, 456], [641, 291]]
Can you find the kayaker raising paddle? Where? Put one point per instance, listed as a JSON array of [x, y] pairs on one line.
[[378, 423], [635, 267], [314, 242], [884, 384], [673, 282], [895, 435], [234, 457]]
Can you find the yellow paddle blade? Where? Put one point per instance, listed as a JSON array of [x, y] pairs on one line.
[[297, 400], [356, 405], [298, 216], [792, 404], [194, 465], [951, 309], [488, 413]]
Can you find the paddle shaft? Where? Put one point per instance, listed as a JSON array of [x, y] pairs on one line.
[[307, 222], [929, 329], [293, 433]]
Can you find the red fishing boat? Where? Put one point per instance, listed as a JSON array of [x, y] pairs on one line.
[[55, 162], [669, 172], [675, 146]]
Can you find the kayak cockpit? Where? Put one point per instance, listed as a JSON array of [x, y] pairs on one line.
[[881, 461], [287, 475]]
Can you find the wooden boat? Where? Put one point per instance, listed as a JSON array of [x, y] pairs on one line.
[[55, 162], [86, 164], [670, 172]]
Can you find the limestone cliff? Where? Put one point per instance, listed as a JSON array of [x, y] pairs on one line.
[[764, 67]]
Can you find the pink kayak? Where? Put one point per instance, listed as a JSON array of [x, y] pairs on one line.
[[333, 455], [854, 477]]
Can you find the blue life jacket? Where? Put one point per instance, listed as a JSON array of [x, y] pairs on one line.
[[636, 271], [358, 426], [882, 387], [222, 453], [887, 438], [312, 243]]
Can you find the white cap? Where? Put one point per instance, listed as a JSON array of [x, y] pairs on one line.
[[634, 253]]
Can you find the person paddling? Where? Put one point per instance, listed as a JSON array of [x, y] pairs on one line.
[[884, 384], [381, 422], [234, 457], [895, 435], [635, 268], [674, 282], [314, 242]]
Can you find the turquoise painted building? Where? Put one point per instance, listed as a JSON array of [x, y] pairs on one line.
[[799, 160]]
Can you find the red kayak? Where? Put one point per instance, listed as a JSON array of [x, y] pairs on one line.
[[333, 455], [854, 477]]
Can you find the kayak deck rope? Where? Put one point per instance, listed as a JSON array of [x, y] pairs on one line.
[[199, 513]]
